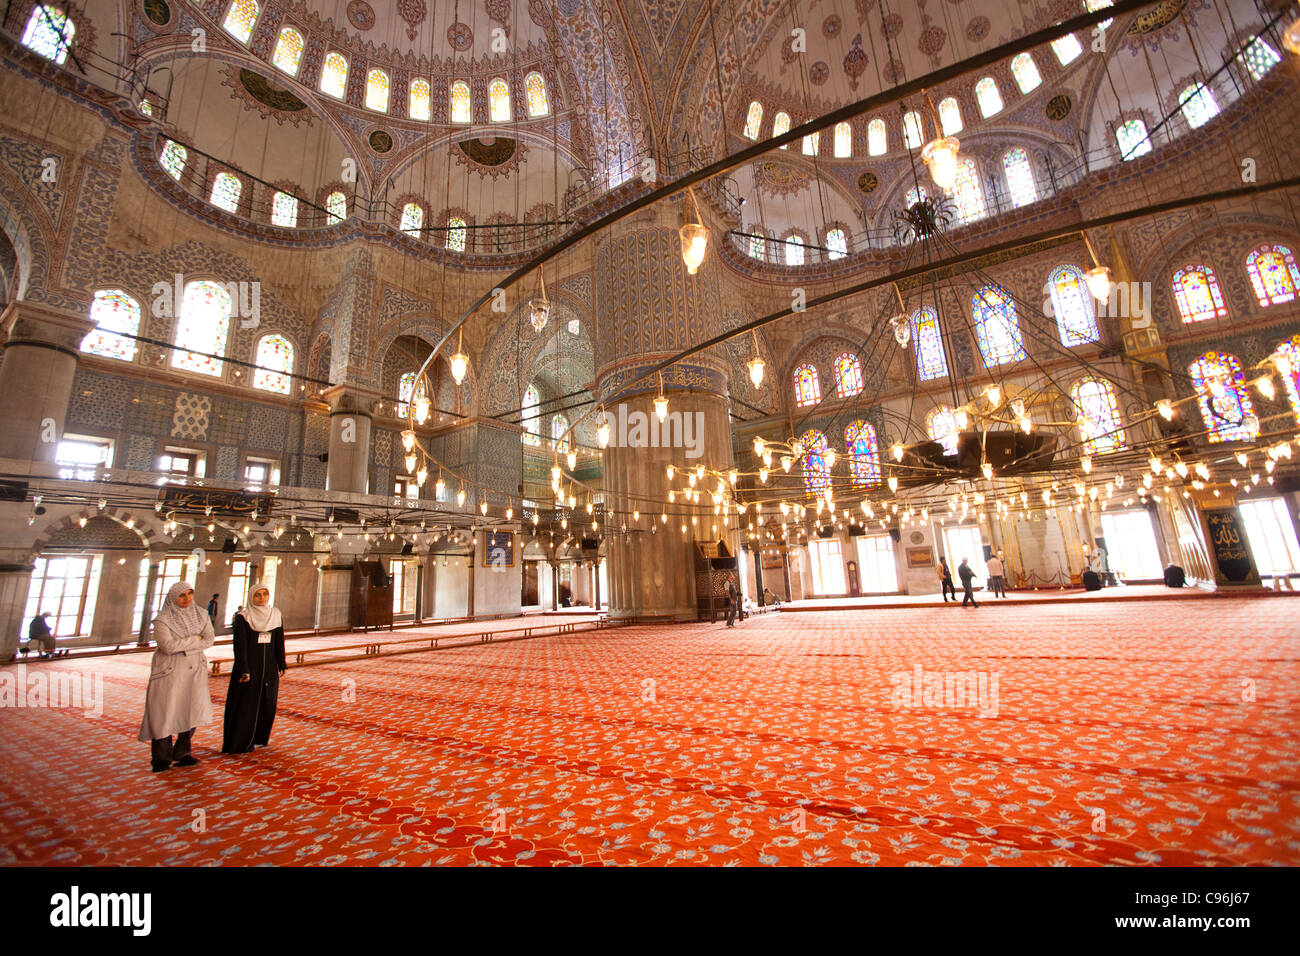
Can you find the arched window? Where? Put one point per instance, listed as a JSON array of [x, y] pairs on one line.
[[225, 192], [781, 124], [240, 19], [377, 91], [49, 32], [173, 159], [532, 427], [877, 137], [1097, 413], [915, 195], [1132, 138], [201, 328], [1196, 290], [334, 75], [458, 99], [1221, 394], [864, 455], [499, 101], [930, 360], [1020, 176], [116, 316], [1067, 49], [1025, 71], [1198, 105], [274, 364], [1094, 5], [988, 96], [1273, 273], [812, 143], [1290, 350], [418, 103], [967, 192], [456, 233], [535, 89], [941, 426], [1076, 319], [284, 210], [757, 246], [337, 206], [412, 219], [288, 51], [794, 250], [560, 425], [816, 473], [807, 386], [408, 393], [843, 140], [912, 136], [997, 329], [837, 244], [950, 116], [754, 120], [848, 375], [1258, 58]]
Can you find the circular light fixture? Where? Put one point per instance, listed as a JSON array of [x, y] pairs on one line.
[[940, 157], [1099, 283]]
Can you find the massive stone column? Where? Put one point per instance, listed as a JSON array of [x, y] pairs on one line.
[[350, 417], [36, 373]]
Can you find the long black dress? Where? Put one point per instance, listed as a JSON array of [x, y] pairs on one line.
[[250, 706]]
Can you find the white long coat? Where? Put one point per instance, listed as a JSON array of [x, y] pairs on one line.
[[177, 698]]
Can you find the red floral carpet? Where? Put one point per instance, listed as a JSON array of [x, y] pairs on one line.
[[1125, 733]]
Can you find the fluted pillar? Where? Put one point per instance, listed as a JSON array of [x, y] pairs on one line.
[[40, 360]]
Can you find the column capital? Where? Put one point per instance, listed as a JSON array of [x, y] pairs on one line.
[[31, 323], [343, 399]]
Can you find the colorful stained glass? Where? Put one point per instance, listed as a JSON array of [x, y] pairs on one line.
[[146, 108], [997, 329], [334, 75], [274, 364], [1093, 6], [559, 426], [535, 90], [202, 327], [284, 210], [807, 386], [1273, 273], [240, 19], [915, 195], [288, 51], [988, 96], [49, 32], [1020, 176], [843, 140], [1196, 290], [377, 91], [812, 143], [1198, 105], [864, 455], [408, 393], [173, 159], [1258, 57], [912, 135], [1290, 350], [459, 101], [848, 375], [499, 101], [1097, 413], [225, 192], [412, 219], [116, 315], [456, 234], [1025, 72], [1067, 49], [1076, 317], [1221, 394], [816, 473], [532, 399], [337, 206], [754, 120], [930, 360], [967, 191], [781, 124], [1132, 138], [757, 247], [418, 104], [941, 426], [837, 244], [877, 137], [794, 250], [950, 116]]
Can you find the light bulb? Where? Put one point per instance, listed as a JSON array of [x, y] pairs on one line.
[[460, 497], [483, 507], [671, 471], [902, 330], [572, 458], [898, 451], [756, 366], [422, 407], [830, 458], [636, 515], [699, 472], [459, 366], [1291, 37], [759, 445], [762, 475], [733, 476], [602, 433], [961, 418], [408, 439], [940, 157], [1251, 424], [422, 476], [987, 469], [573, 500], [695, 243], [410, 463], [1099, 283], [1202, 470], [539, 310], [661, 407], [994, 394], [1156, 465], [1026, 424], [1265, 386], [1166, 409], [1086, 464], [786, 462], [893, 483]]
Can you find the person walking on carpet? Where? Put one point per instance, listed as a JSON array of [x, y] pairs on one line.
[[255, 678], [945, 580], [967, 579], [733, 603], [997, 583], [177, 701]]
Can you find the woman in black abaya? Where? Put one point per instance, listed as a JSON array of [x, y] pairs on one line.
[[255, 680]]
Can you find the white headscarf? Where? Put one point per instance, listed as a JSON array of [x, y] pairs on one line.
[[181, 621], [264, 618]]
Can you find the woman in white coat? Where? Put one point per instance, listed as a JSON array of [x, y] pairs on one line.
[[177, 700]]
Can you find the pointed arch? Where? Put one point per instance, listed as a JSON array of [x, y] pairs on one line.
[[754, 120], [274, 361], [1097, 413], [997, 327], [1273, 273], [1076, 317], [240, 19], [1221, 395], [288, 51], [117, 317], [816, 473], [848, 375], [202, 328], [930, 360], [531, 416], [377, 91], [807, 386], [334, 75], [988, 96], [864, 453], [1197, 294]]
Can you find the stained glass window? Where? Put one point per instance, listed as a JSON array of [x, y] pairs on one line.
[[459, 98], [334, 75], [1025, 71], [1094, 5], [1221, 394], [756, 247], [499, 101], [1258, 57], [848, 375], [816, 473], [807, 386], [288, 51], [1097, 413], [202, 327], [915, 195], [781, 124], [173, 159], [1290, 349], [1020, 176], [754, 120], [412, 219], [146, 108], [950, 116], [877, 137], [1198, 105], [794, 251], [837, 244], [560, 425], [1076, 318], [532, 399], [941, 426], [337, 206], [418, 103], [864, 455], [930, 360], [535, 89], [811, 144], [116, 315], [377, 91], [1132, 138], [988, 96], [408, 393], [1273, 273], [912, 136], [967, 192], [456, 234], [843, 140], [284, 210], [274, 364], [1067, 49], [240, 19], [49, 32], [1196, 290], [997, 328], [225, 192]]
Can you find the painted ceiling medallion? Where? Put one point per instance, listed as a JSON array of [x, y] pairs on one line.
[[460, 36], [157, 12], [891, 26], [932, 40], [977, 29], [380, 140], [489, 154], [259, 95], [499, 11], [413, 12], [361, 15], [831, 26], [855, 62], [1156, 18], [1058, 107], [819, 73], [778, 179], [868, 182]]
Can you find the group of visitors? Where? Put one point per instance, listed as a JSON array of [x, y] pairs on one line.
[[177, 701], [997, 580]]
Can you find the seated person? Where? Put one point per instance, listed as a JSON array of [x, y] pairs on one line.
[[39, 636], [1174, 576], [1091, 580]]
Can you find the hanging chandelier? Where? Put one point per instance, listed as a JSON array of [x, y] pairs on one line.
[[694, 237], [940, 155], [539, 307], [459, 362], [902, 330]]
